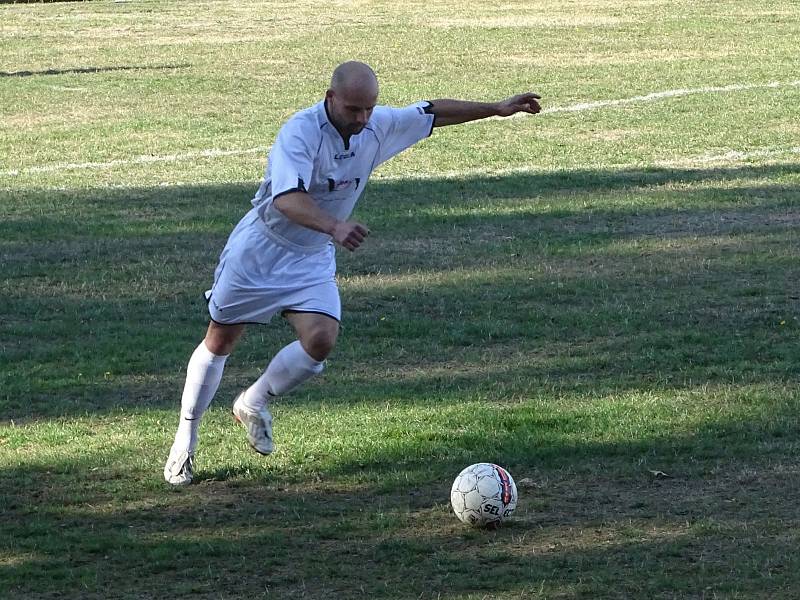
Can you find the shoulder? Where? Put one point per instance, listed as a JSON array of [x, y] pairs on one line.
[[384, 118], [302, 127]]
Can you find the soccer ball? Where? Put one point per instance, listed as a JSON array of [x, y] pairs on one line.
[[483, 495]]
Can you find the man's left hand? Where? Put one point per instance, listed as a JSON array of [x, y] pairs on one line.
[[527, 102]]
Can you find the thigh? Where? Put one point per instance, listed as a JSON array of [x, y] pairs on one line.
[[257, 278]]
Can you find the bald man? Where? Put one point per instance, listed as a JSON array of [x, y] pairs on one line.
[[280, 257]]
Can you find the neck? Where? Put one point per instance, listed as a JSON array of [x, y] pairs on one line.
[[345, 137]]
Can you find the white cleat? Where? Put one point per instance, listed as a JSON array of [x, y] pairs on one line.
[[258, 425], [179, 469]]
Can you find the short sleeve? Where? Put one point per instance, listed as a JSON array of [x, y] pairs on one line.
[[291, 160], [402, 128]]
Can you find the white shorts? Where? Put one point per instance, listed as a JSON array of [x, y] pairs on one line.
[[258, 277]]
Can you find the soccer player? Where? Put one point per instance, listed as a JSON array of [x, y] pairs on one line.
[[280, 257]]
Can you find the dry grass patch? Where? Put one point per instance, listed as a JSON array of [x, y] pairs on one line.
[[528, 21], [635, 57]]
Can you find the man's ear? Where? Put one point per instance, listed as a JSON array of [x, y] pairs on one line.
[[329, 94]]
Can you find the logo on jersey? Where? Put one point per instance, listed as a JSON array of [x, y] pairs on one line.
[[343, 155], [343, 184]]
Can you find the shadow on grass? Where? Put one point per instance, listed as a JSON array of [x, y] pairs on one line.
[[102, 297], [401, 203], [88, 70], [600, 529]]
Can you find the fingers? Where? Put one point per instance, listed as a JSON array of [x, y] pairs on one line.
[[526, 97], [530, 100], [358, 234], [354, 236], [524, 103], [531, 108]]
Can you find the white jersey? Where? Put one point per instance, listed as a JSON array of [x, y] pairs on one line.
[[310, 155], [271, 264]]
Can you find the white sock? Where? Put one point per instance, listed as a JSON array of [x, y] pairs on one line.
[[202, 380], [288, 369]]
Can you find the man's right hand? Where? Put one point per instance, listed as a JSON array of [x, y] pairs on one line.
[[301, 208], [349, 234]]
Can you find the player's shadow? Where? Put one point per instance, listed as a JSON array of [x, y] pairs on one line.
[[90, 70]]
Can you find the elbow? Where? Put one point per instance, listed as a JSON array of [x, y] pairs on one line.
[[280, 203], [285, 201]]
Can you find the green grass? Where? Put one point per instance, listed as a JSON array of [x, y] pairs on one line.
[[593, 299]]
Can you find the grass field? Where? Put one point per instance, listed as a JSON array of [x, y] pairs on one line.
[[603, 298]]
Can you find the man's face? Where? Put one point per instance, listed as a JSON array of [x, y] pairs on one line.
[[350, 110]]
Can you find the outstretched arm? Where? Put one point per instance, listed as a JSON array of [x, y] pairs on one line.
[[453, 112]]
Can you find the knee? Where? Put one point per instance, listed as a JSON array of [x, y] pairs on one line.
[[220, 340], [319, 342], [219, 347]]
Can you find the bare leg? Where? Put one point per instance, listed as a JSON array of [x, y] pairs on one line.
[[296, 362], [221, 339], [317, 333]]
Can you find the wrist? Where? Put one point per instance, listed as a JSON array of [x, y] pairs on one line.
[[331, 227]]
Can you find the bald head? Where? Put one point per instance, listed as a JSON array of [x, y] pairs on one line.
[[354, 77], [351, 97]]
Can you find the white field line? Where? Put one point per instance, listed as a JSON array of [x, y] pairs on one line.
[[668, 94], [138, 160], [584, 106]]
